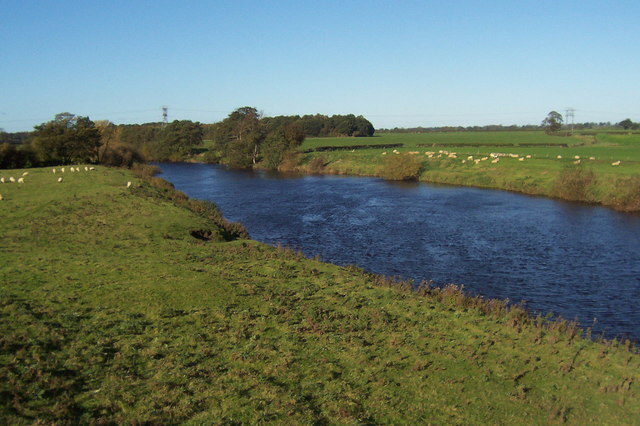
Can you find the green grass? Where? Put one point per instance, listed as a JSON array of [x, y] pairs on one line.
[[536, 175], [110, 311], [443, 138]]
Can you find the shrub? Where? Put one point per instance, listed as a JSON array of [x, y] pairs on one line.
[[122, 156], [145, 170], [401, 167], [290, 161], [574, 183], [16, 157], [317, 165], [629, 194]]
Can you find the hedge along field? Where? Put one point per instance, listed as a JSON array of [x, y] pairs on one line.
[[111, 311], [539, 172]]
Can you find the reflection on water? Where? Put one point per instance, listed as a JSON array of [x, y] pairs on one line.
[[574, 260]]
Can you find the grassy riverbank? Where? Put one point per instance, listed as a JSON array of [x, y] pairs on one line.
[[112, 311], [575, 168]]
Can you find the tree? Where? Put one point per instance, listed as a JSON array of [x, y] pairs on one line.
[[67, 139], [553, 122], [280, 141], [178, 139], [628, 124], [239, 136], [108, 133]]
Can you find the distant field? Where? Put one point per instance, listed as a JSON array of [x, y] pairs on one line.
[[446, 138], [537, 172]]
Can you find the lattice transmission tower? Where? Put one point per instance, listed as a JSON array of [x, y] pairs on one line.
[[569, 117], [165, 115]]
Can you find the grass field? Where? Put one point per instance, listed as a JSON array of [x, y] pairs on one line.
[[538, 173], [111, 311]]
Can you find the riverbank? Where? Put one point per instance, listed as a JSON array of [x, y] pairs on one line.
[[599, 169], [138, 305]]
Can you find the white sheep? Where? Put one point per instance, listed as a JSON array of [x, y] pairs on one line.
[[21, 180], [529, 156], [559, 157], [11, 179], [92, 168], [1, 180], [54, 171], [577, 157], [86, 169], [25, 173], [129, 184], [521, 159], [59, 179], [617, 163], [62, 170], [592, 158], [576, 162], [71, 169], [494, 161], [384, 153]]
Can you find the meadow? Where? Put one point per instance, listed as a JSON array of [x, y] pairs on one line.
[[138, 305], [538, 167]]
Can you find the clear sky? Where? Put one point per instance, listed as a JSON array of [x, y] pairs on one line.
[[398, 63]]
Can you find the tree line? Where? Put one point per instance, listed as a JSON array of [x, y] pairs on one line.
[[244, 139]]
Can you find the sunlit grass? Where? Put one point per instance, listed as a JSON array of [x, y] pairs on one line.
[[110, 311]]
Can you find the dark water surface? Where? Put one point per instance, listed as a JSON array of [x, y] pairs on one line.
[[570, 259]]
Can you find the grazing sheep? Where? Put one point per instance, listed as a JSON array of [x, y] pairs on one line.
[[92, 168], [86, 169], [528, 156], [25, 173], [21, 180], [71, 169], [494, 161], [62, 170], [11, 179], [2, 180], [464, 161], [576, 162], [577, 157], [129, 184], [470, 157], [559, 157], [592, 158], [384, 153], [54, 171], [617, 163], [521, 159], [59, 179]]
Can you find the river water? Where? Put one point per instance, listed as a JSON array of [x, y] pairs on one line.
[[564, 258]]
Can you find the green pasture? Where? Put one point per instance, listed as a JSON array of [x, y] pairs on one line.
[[538, 174], [112, 312], [444, 138]]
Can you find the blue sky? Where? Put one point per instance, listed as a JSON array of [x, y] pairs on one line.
[[398, 63]]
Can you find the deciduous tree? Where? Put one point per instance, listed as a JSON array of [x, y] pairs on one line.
[[67, 139], [553, 122]]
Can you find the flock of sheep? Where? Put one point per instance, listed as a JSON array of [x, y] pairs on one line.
[[71, 169], [494, 156]]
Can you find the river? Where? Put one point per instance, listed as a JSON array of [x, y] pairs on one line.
[[577, 261]]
